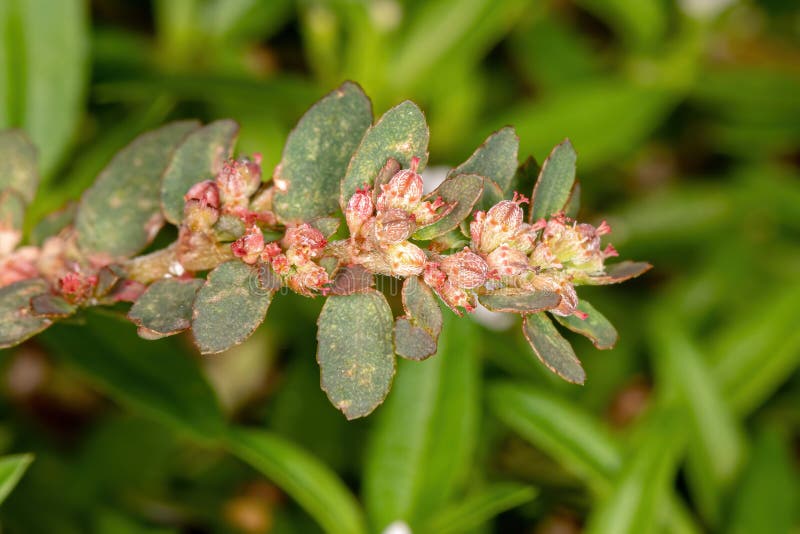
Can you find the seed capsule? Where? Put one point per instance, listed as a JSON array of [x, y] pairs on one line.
[[249, 246], [465, 269], [393, 226]]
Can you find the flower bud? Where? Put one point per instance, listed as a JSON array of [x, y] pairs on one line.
[[359, 210], [403, 191], [405, 259], [76, 287], [501, 224], [237, 181], [465, 269], [305, 239], [307, 278], [199, 216], [456, 297], [561, 285], [21, 264], [206, 192], [249, 246], [433, 276], [393, 226], [507, 261]]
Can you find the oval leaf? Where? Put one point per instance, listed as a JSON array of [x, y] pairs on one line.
[[595, 327], [121, 213], [18, 169], [495, 159], [317, 153], [228, 308], [520, 302], [553, 350], [199, 157], [464, 190], [401, 133], [17, 321], [165, 308], [12, 216], [552, 190], [412, 342], [355, 352], [49, 305], [421, 306], [619, 272]]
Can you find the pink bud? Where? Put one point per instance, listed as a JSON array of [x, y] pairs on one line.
[[393, 226], [76, 287], [465, 269], [308, 278], [206, 192], [199, 216], [305, 239], [433, 276], [405, 259], [359, 210], [249, 246], [237, 181], [507, 261], [404, 190]]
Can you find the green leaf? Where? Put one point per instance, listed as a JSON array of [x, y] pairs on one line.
[[155, 378], [717, 442], [400, 134], [553, 350], [355, 352], [411, 341], [52, 224], [462, 189], [317, 154], [18, 169], [44, 53], [495, 159], [421, 448], [12, 216], [552, 190], [198, 157], [595, 327], [619, 272], [421, 305], [165, 308], [312, 484], [11, 470], [636, 504], [17, 322], [228, 308], [121, 213], [574, 438], [53, 306], [768, 494], [473, 511], [529, 302]]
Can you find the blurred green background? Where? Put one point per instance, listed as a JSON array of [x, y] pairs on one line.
[[686, 119]]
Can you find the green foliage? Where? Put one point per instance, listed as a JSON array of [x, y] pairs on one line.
[[556, 179], [553, 350], [355, 353], [228, 308], [318, 151], [16, 322], [121, 213], [463, 190], [11, 470], [165, 308]]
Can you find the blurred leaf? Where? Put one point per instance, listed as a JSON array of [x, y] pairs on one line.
[[198, 157], [16, 321], [595, 327], [416, 334], [768, 494], [53, 306], [355, 352], [757, 352], [121, 213], [640, 24], [312, 484], [228, 307], [12, 216], [619, 272], [165, 308], [52, 224], [640, 493], [625, 113], [154, 378], [572, 437], [44, 52], [18, 169], [717, 444], [401, 133], [317, 154], [243, 20], [462, 189], [11, 470], [553, 350], [495, 159], [529, 302], [475, 510], [421, 447], [552, 190]]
